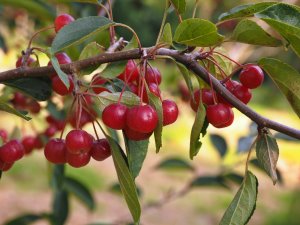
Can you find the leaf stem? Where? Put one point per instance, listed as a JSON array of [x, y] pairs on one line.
[[163, 21], [134, 33]]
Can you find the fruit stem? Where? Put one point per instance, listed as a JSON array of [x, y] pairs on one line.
[[163, 21], [36, 33], [111, 29], [249, 154], [219, 53]]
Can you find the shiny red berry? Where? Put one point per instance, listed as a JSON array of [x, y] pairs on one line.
[[154, 89], [242, 93], [252, 76], [50, 131], [29, 143], [11, 151], [170, 112], [5, 166], [100, 150], [219, 115], [153, 75], [207, 98], [55, 151], [135, 135], [78, 160], [60, 88], [62, 20], [20, 61], [34, 107], [63, 58], [85, 118], [20, 100], [97, 81], [142, 118], [131, 72], [114, 116], [79, 141], [3, 135]]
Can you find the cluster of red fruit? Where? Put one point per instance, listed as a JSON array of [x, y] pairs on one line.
[[139, 122], [218, 111], [77, 149]]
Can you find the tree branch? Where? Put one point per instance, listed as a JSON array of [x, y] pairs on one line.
[[188, 59]]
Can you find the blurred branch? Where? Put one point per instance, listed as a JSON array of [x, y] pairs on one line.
[[190, 60]]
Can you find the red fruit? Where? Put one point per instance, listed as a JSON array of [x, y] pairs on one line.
[[5, 166], [55, 151], [34, 107], [184, 92], [38, 144], [252, 76], [19, 99], [78, 160], [3, 135], [131, 72], [134, 88], [114, 116], [28, 63], [135, 135], [242, 93], [154, 89], [29, 143], [153, 76], [79, 141], [84, 119], [219, 115], [50, 131], [207, 98], [62, 20], [170, 111], [63, 58], [230, 85], [96, 82], [60, 88], [11, 151], [142, 118], [100, 150]]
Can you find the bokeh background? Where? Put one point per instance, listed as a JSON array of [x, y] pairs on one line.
[[25, 188]]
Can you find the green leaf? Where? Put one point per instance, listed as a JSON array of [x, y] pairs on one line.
[[175, 164], [55, 112], [243, 205], [62, 75], [247, 31], [7, 108], [236, 178], [137, 152], [132, 44], [245, 10], [197, 32], [267, 153], [38, 88], [286, 78], [41, 10], [81, 1], [187, 78], [166, 36], [179, 5], [78, 31], [60, 207], [224, 63], [114, 69], [126, 180], [197, 129], [128, 98], [80, 191], [219, 143], [116, 189], [285, 19], [204, 181], [91, 50], [26, 219], [58, 176]]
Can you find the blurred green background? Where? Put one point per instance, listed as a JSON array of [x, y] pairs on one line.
[[25, 188]]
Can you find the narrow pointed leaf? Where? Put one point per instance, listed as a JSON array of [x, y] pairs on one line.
[[197, 32], [38, 88], [209, 181], [286, 78], [60, 207], [285, 19], [91, 50], [62, 75], [26, 219], [247, 31], [79, 30], [157, 104], [245, 10], [195, 143], [179, 5], [126, 180], [137, 152], [113, 69], [128, 98], [175, 164], [219, 143], [224, 63], [7, 108], [80, 191], [243, 205], [267, 153], [187, 77], [166, 37]]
